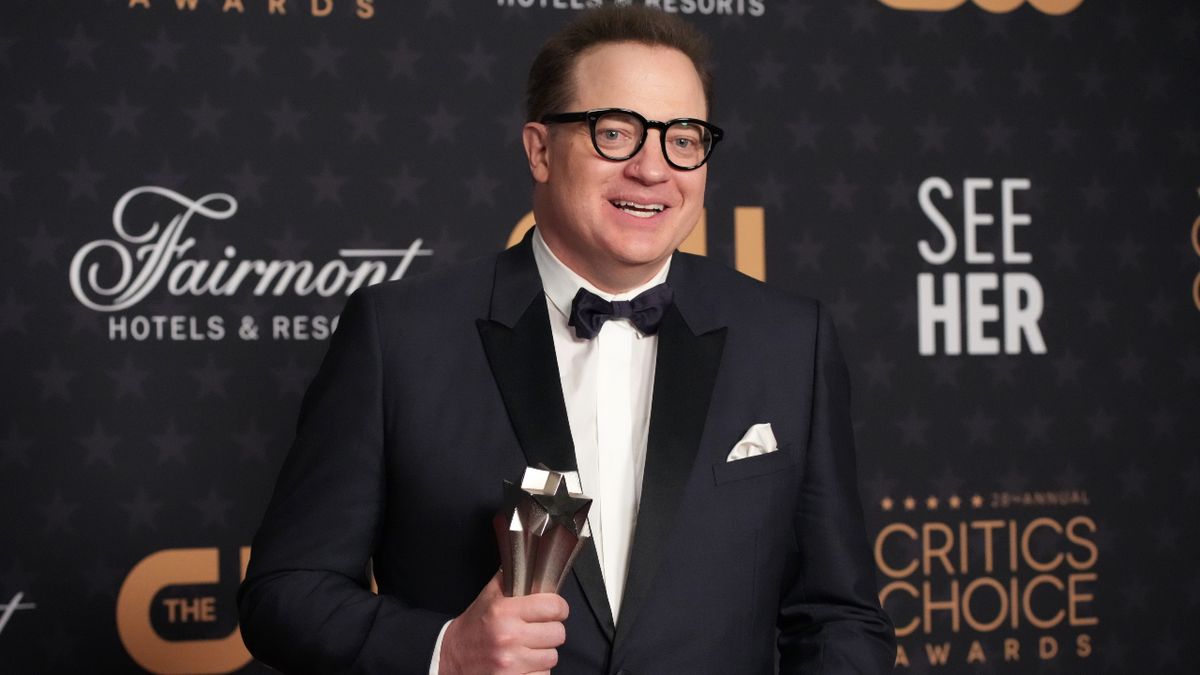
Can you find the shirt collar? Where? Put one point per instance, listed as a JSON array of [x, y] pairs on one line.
[[561, 283]]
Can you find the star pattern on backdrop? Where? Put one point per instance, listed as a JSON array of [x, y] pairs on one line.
[[338, 133], [163, 51], [285, 120], [80, 49], [39, 113], [243, 56]]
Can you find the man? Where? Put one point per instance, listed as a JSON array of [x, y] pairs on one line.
[[435, 389]]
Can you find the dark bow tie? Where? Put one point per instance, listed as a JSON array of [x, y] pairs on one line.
[[589, 311]]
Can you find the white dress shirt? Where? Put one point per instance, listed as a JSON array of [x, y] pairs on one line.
[[607, 384]]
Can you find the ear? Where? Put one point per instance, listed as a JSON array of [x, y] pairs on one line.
[[536, 137]]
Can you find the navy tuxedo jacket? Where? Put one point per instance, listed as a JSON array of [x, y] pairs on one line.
[[435, 389]]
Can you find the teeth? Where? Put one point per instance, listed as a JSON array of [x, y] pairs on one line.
[[639, 210]]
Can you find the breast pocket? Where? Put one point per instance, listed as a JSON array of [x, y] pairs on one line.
[[752, 467]]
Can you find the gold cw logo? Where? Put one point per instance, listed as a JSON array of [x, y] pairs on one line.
[[135, 603], [749, 239], [1054, 7]]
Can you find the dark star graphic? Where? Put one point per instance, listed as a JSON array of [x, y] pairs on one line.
[[795, 14], [404, 186], [15, 446], [166, 176], [12, 313], [211, 379], [998, 136], [804, 132], [865, 134], [285, 120], [214, 509], [897, 75], [768, 71], [1029, 80], [57, 514], [933, 135], [402, 61], [442, 124], [243, 56], [171, 445], [6, 180], [99, 445], [878, 370], [1063, 137], [324, 58], [829, 73], [478, 63], [247, 185], [79, 48], [142, 511], [480, 187], [39, 113], [164, 52], [55, 380], [964, 76], [841, 193], [82, 180], [327, 185], [123, 116], [129, 380]]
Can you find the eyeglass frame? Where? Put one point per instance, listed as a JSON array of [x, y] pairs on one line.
[[593, 115]]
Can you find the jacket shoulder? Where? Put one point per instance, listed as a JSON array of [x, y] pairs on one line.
[[465, 285], [744, 298]]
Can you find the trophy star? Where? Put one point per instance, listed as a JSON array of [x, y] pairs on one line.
[[564, 507]]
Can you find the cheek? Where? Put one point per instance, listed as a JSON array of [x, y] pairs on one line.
[[694, 186]]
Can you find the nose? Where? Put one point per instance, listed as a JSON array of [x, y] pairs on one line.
[[649, 166]]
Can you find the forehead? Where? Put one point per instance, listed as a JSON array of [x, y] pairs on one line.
[[658, 82]]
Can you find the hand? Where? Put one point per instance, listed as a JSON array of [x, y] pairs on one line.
[[505, 635]]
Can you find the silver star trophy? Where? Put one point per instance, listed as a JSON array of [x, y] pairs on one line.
[[540, 528]]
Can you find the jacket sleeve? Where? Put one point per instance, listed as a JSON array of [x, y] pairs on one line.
[[305, 604], [830, 620]]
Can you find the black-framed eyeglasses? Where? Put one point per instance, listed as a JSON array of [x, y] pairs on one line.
[[618, 134]]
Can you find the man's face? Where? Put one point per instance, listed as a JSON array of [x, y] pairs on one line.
[[614, 223]]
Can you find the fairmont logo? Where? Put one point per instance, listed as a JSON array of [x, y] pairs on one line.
[[141, 260], [7, 610]]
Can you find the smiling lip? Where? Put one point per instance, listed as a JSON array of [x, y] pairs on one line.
[[637, 209]]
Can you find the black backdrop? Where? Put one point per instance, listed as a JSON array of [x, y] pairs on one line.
[[1030, 494]]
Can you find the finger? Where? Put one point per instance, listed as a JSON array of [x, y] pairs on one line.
[[545, 635], [538, 660], [542, 607]]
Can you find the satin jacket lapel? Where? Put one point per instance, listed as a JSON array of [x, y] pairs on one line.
[[520, 349], [687, 363]]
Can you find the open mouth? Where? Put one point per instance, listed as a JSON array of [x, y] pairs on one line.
[[638, 210]]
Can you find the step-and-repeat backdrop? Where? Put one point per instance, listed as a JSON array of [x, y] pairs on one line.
[[997, 198]]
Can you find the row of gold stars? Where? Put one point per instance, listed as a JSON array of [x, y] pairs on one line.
[[931, 503]]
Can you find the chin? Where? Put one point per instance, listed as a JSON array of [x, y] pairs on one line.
[[642, 256]]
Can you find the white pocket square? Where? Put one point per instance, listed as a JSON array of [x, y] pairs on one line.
[[759, 440]]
